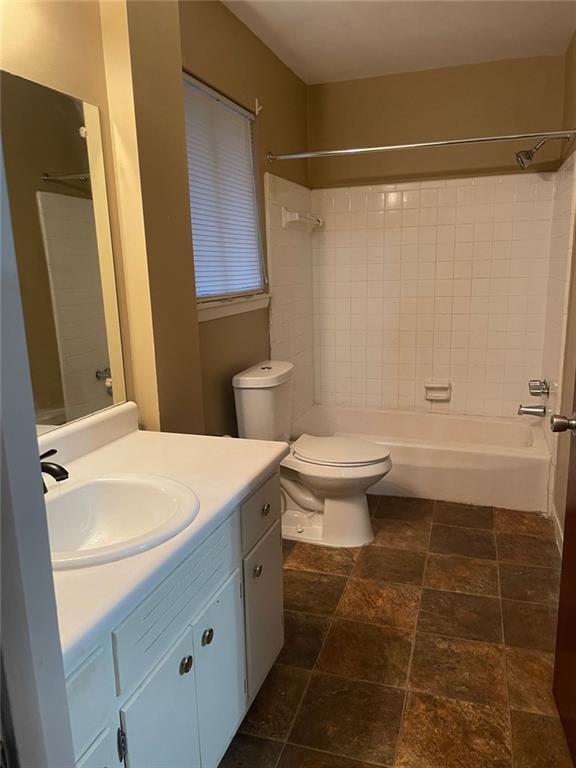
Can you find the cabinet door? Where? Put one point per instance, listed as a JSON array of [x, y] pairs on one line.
[[160, 720], [263, 606], [219, 652], [102, 754]]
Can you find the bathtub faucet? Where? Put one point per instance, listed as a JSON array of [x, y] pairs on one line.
[[531, 410]]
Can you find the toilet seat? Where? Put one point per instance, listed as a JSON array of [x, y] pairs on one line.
[[338, 451]]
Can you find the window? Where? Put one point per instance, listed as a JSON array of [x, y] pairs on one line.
[[225, 224]]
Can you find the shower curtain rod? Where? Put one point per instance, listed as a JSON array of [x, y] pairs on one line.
[[420, 145]]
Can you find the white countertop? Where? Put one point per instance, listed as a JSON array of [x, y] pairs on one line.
[[221, 471]]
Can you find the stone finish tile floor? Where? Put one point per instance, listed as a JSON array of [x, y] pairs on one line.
[[430, 648]]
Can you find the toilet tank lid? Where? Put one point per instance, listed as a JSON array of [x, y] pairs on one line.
[[269, 373]]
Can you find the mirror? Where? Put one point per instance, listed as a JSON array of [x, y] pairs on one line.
[[59, 210]]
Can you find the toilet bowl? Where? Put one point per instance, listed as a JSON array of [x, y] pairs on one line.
[[335, 473], [324, 479]]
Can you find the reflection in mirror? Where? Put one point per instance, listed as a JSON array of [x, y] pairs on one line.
[[58, 206]]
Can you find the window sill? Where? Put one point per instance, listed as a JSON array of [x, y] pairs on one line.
[[214, 310]]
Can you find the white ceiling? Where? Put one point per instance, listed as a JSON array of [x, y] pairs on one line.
[[329, 40]]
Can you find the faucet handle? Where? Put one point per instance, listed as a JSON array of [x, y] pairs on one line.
[[538, 387], [47, 454]]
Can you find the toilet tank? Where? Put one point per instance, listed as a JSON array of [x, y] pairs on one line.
[[263, 397]]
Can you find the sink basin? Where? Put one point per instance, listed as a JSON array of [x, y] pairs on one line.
[[115, 516]]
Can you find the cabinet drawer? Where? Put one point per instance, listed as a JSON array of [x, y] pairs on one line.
[[151, 628], [263, 606], [90, 692], [259, 511]]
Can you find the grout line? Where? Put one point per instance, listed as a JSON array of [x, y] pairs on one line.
[[331, 620], [414, 634], [508, 709]]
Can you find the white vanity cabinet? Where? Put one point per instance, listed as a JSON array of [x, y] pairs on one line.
[[159, 721], [169, 686]]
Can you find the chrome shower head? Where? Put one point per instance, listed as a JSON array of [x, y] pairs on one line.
[[524, 158]]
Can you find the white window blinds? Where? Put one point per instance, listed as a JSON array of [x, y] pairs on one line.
[[225, 226]]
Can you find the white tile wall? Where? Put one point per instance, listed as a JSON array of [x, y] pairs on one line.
[[71, 250], [290, 274], [438, 280], [561, 244]]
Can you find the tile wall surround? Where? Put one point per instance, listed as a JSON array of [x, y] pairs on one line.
[[69, 236], [443, 280], [290, 275]]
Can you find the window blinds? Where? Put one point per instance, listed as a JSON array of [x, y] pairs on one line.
[[225, 226]]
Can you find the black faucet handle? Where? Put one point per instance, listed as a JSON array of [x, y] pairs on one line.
[[47, 454]]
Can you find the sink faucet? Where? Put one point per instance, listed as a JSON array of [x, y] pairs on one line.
[[54, 470], [531, 410]]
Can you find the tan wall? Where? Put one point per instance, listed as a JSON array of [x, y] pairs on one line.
[[570, 85], [28, 153], [524, 95], [159, 113], [223, 355], [219, 50]]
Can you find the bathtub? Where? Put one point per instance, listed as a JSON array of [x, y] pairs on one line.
[[472, 460]]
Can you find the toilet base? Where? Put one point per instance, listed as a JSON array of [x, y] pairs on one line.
[[345, 522]]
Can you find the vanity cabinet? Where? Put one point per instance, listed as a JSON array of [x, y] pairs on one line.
[[172, 682], [219, 652], [159, 721], [264, 610]]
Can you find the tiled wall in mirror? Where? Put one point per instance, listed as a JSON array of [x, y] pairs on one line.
[[58, 205]]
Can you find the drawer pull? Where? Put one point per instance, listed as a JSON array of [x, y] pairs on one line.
[[257, 571], [266, 509], [207, 636], [186, 665]]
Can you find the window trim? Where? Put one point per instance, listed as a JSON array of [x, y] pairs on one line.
[[247, 296]]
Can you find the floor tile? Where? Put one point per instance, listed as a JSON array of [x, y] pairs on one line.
[[529, 625], [471, 617], [445, 733], [312, 592], [350, 718], [251, 751], [529, 550], [459, 669], [373, 503], [461, 574], [300, 757], [402, 534], [469, 542], [287, 547], [394, 605], [466, 515], [274, 707], [367, 652], [534, 585], [311, 557], [530, 676], [383, 564], [528, 523], [303, 637], [404, 508], [538, 742]]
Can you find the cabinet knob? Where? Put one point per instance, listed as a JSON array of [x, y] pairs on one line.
[[207, 636], [257, 571], [266, 509], [186, 665]]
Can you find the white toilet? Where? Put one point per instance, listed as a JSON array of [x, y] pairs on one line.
[[324, 479]]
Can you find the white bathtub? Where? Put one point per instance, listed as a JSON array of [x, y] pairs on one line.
[[468, 459]]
